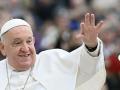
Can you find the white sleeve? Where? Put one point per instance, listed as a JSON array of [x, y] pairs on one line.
[[91, 73]]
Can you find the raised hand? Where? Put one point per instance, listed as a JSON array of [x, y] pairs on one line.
[[89, 31]]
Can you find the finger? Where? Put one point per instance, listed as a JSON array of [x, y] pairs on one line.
[[80, 35], [87, 19], [99, 26], [82, 28], [92, 20]]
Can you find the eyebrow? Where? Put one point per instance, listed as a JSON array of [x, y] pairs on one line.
[[20, 38]]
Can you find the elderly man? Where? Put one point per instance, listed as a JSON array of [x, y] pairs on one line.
[[56, 69]]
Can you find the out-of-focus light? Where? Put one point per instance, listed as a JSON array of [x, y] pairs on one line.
[[119, 57]]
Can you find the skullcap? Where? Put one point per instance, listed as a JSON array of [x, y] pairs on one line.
[[11, 24]]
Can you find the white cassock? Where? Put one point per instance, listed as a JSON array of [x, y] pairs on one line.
[[57, 69]]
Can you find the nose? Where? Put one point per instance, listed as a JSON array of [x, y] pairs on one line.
[[25, 47]]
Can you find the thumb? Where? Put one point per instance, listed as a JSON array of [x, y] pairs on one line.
[[79, 36]]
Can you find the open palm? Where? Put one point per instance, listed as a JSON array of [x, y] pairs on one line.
[[89, 31]]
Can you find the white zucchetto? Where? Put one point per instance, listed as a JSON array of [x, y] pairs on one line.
[[11, 24]]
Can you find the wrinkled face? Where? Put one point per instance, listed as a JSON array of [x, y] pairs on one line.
[[18, 46]]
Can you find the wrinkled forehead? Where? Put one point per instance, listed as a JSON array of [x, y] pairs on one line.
[[11, 24]]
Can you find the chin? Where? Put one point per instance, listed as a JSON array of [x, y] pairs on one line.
[[26, 65]]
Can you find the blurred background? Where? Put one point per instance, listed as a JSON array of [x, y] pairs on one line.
[[55, 24]]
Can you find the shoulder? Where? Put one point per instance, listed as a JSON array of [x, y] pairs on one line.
[[52, 55], [59, 52]]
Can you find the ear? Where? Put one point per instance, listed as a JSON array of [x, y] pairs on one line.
[[2, 49]]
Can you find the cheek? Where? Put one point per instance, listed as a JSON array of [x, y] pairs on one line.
[[12, 54], [11, 51], [32, 49]]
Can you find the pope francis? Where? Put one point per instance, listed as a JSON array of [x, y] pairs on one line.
[[55, 69]]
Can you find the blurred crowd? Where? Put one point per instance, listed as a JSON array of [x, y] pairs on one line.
[[56, 23]]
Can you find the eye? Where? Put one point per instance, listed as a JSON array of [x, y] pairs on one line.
[[29, 41], [16, 43]]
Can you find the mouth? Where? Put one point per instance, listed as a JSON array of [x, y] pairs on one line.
[[25, 55]]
